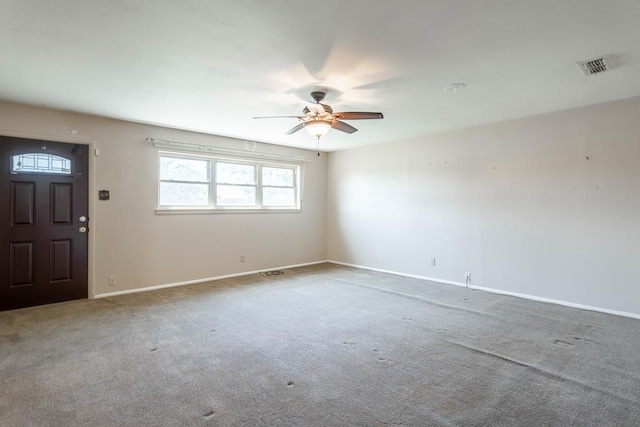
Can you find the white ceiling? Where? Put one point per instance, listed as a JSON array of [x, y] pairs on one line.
[[210, 65]]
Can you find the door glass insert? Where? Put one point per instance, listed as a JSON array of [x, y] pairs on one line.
[[40, 163]]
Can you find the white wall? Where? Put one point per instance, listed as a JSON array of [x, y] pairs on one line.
[[517, 204], [545, 222], [143, 249]]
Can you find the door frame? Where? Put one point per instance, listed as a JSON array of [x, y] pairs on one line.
[[93, 153]]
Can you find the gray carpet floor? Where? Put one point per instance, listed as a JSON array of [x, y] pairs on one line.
[[318, 346]]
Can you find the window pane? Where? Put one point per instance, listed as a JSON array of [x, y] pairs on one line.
[[231, 173], [236, 195], [175, 169], [277, 177], [278, 196], [181, 194], [40, 163]]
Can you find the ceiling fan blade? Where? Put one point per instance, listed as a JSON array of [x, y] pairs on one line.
[[277, 117], [358, 115], [343, 127], [296, 128]]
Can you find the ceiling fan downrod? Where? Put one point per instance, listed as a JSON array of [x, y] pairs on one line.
[[318, 96]]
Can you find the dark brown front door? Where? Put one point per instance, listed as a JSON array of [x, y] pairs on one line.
[[43, 222]]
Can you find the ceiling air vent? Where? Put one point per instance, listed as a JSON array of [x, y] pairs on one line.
[[596, 65]]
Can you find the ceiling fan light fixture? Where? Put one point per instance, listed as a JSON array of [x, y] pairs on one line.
[[318, 128], [319, 118]]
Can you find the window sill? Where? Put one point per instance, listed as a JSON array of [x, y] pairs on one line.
[[223, 211]]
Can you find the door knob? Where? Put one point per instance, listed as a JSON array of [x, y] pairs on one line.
[[82, 219], [82, 229]]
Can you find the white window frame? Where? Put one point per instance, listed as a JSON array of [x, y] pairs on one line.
[[256, 171], [212, 207]]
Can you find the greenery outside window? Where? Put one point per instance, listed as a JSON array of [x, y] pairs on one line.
[[208, 183]]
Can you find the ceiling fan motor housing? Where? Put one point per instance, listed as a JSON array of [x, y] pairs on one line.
[[318, 96]]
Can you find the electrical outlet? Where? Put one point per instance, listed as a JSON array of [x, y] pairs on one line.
[[433, 262], [112, 280], [242, 258]]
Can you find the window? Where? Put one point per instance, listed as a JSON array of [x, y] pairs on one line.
[[226, 184], [236, 184], [278, 186], [184, 182], [40, 163]]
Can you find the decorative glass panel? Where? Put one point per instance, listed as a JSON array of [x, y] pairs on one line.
[[40, 163]]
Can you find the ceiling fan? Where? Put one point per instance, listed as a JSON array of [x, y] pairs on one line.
[[319, 118]]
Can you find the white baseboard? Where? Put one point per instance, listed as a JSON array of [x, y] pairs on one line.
[[559, 302], [206, 279], [414, 276], [497, 291]]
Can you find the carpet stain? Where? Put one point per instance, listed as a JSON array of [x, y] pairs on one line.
[[348, 343], [583, 339], [10, 338], [563, 343], [210, 414], [153, 349], [290, 383]]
